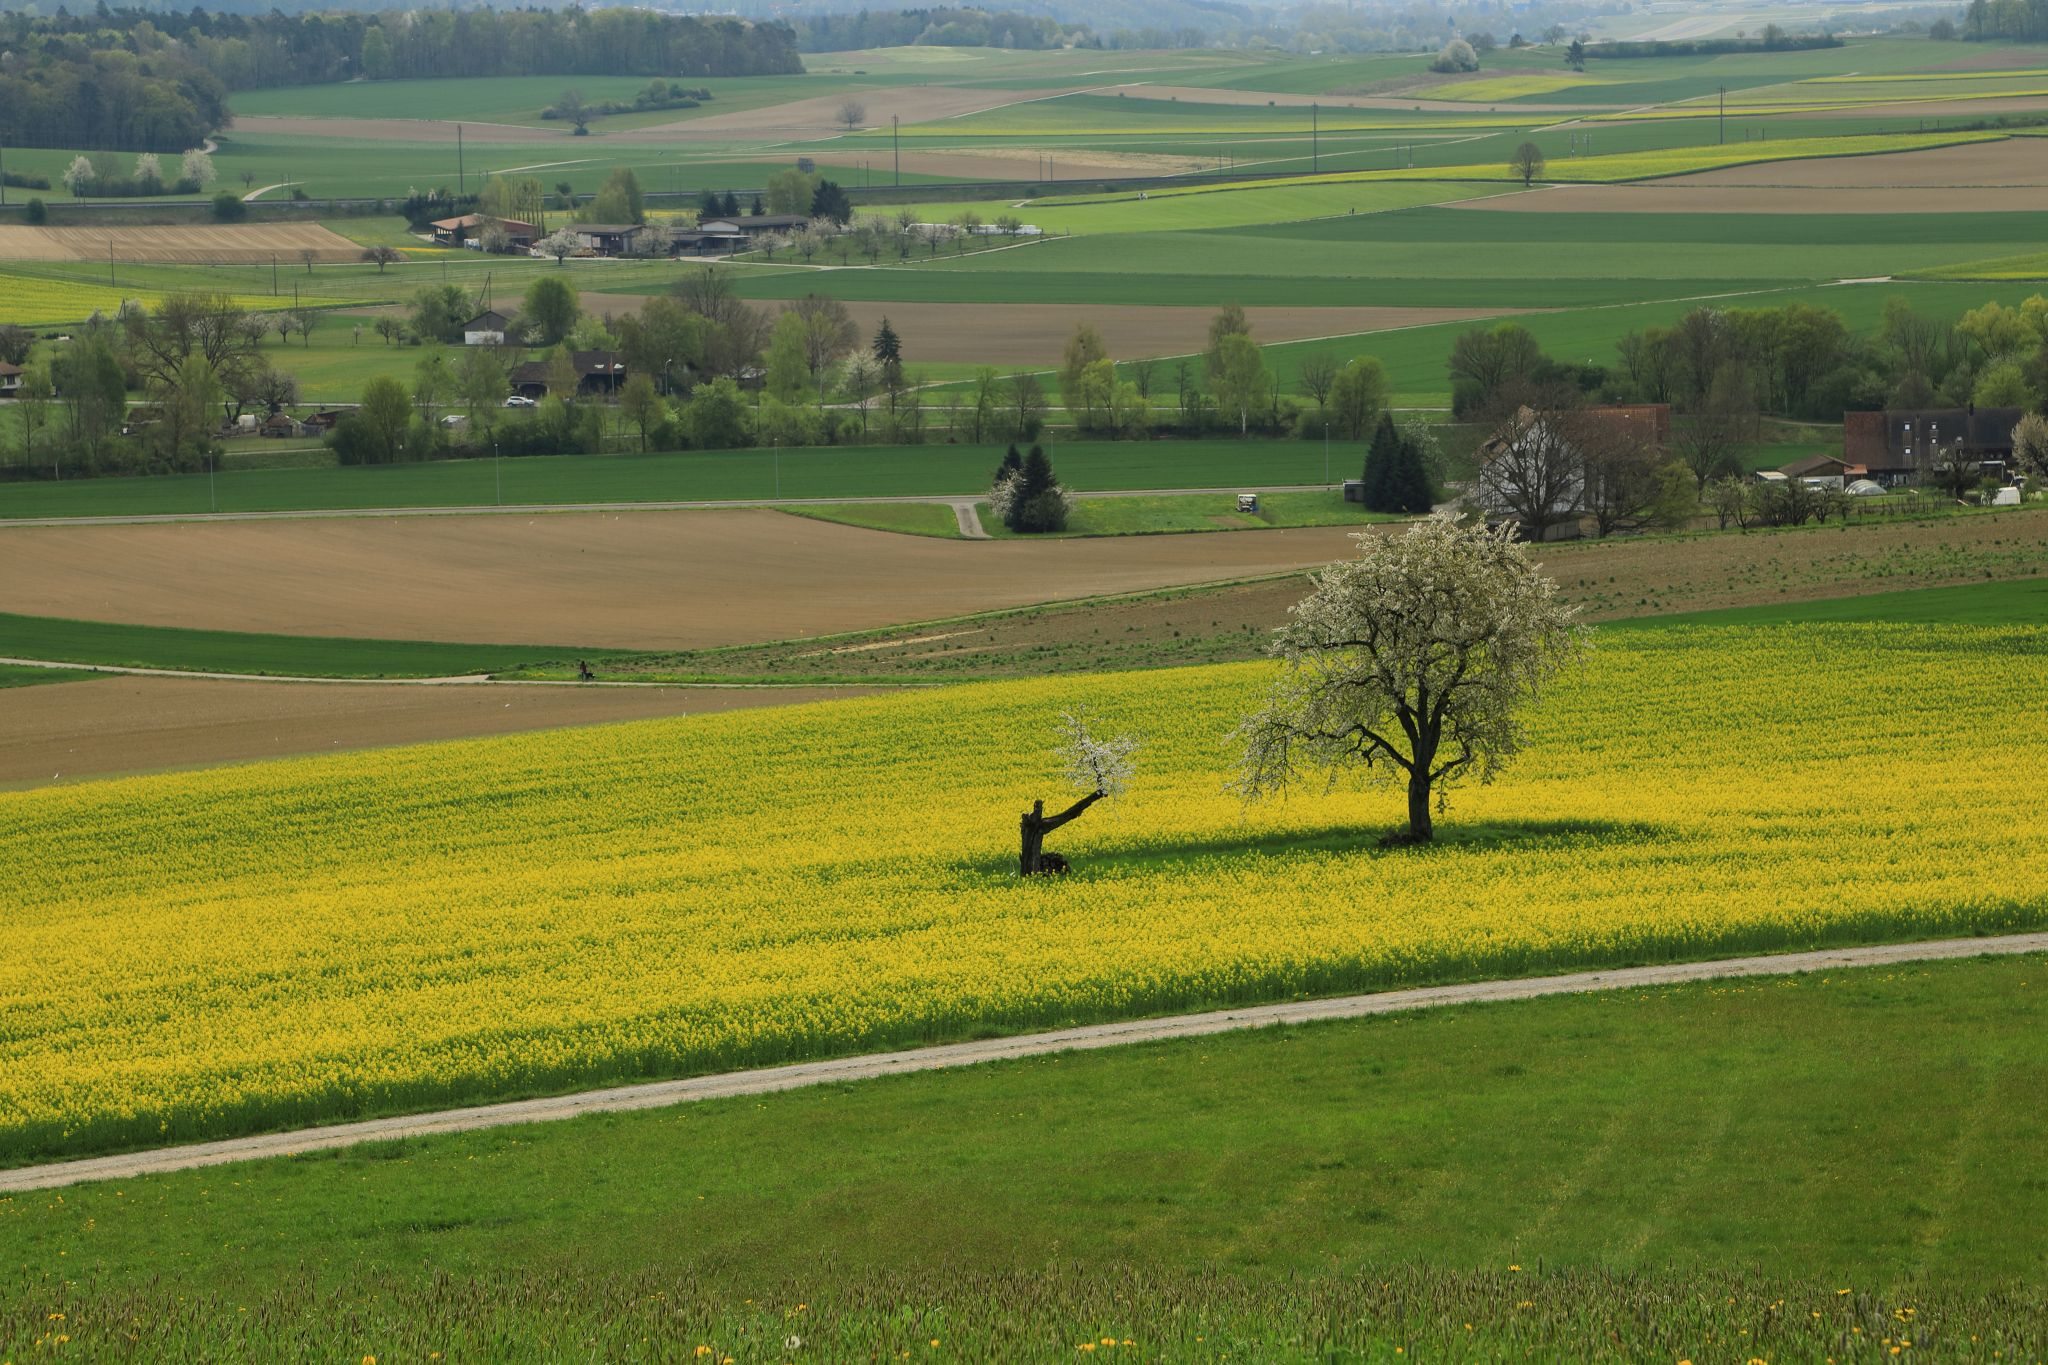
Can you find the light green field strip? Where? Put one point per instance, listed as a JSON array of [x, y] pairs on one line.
[[1330, 122], [1710, 109], [1852, 79], [1497, 88], [1243, 204], [1621, 166], [2031, 265], [31, 301]]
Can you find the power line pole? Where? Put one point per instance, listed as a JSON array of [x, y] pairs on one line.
[[1315, 145], [1724, 115], [896, 145], [461, 180]]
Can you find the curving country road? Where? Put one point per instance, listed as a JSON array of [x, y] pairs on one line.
[[767, 1080]]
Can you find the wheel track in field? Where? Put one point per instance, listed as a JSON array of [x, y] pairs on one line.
[[839, 1070]]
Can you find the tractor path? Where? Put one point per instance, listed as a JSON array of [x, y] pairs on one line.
[[767, 1080]]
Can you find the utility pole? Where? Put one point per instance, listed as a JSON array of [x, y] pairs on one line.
[[461, 180], [1724, 115], [3, 175], [896, 145], [1315, 154]]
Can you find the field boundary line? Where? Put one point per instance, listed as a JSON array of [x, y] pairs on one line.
[[450, 680], [527, 509], [771, 1080]]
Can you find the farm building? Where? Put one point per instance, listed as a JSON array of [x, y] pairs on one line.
[[1830, 471], [282, 424], [609, 239], [1894, 447], [472, 226], [486, 329], [597, 372], [10, 379], [702, 242], [741, 225]]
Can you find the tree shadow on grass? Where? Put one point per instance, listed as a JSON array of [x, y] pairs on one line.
[[1453, 839]]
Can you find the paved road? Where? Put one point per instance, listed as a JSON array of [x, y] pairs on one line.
[[767, 1080], [527, 509]]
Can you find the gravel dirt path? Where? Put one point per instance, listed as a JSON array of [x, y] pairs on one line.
[[768, 1080]]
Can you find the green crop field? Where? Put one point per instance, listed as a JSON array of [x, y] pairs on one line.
[[213, 651], [693, 476]]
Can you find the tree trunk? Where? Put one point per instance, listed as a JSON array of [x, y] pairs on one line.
[[1035, 824], [1032, 831], [1420, 829]]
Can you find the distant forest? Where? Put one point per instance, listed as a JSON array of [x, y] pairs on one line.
[[1301, 26], [2020, 21], [135, 80]]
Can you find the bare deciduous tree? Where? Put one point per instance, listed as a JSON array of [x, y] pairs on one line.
[[1531, 469], [1410, 664], [853, 114], [1718, 428]]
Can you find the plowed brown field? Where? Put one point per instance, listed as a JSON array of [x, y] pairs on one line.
[[654, 580], [70, 731], [1981, 177], [224, 245]]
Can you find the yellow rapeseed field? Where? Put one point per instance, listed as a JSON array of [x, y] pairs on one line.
[[201, 953]]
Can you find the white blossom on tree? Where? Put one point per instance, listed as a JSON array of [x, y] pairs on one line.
[[197, 167], [1098, 767], [1410, 664], [559, 244], [148, 170], [78, 175]]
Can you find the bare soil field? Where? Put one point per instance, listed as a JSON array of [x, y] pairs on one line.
[[2011, 163], [1034, 333], [225, 245], [1665, 196], [1607, 580], [390, 129], [631, 580], [1951, 107], [1196, 94], [71, 731], [818, 116], [1022, 163], [1981, 177]]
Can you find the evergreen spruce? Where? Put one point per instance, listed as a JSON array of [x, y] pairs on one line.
[[888, 347], [1382, 459], [1409, 486]]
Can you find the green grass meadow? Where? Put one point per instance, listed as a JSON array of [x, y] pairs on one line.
[[1519, 1179]]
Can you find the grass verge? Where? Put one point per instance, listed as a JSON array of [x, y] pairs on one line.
[[1575, 1178], [1172, 512], [15, 675], [907, 518]]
